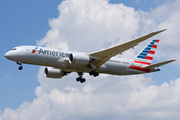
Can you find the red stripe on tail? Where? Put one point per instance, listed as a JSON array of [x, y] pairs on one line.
[[151, 52], [154, 46], [145, 63], [148, 58], [157, 41]]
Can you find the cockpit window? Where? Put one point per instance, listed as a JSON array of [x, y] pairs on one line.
[[13, 49]]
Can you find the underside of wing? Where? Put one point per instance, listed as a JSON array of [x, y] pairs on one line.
[[103, 56]]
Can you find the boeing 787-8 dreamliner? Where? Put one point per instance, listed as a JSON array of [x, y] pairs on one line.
[[60, 62]]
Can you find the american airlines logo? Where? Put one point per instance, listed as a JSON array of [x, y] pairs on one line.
[[34, 50], [49, 52]]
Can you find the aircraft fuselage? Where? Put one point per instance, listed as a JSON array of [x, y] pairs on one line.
[[61, 62], [58, 58]]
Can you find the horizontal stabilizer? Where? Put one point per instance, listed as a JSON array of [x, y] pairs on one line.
[[159, 64]]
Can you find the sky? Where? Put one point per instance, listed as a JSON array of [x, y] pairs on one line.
[[94, 25]]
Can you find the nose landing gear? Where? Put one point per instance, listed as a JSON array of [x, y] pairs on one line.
[[20, 67], [20, 63]]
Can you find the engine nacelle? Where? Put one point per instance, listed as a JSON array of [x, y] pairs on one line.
[[53, 73], [79, 59]]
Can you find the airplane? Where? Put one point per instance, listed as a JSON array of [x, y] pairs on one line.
[[60, 62]]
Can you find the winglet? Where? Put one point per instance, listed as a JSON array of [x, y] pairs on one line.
[[158, 31], [161, 30], [154, 33], [159, 64]]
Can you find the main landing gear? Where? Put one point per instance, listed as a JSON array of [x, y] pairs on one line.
[[20, 63], [80, 78], [94, 73]]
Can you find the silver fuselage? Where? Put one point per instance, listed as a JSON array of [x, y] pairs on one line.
[[58, 58]]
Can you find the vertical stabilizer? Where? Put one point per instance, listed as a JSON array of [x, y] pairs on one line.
[[145, 57]]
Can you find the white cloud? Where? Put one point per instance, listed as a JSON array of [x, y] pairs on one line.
[[167, 16], [93, 25], [96, 99], [89, 24]]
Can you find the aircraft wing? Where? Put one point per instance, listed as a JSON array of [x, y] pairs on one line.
[[159, 64], [103, 56]]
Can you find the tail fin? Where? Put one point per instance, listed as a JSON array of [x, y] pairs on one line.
[[145, 57]]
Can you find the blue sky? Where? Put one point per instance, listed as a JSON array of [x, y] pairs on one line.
[[25, 22], [21, 23], [144, 5]]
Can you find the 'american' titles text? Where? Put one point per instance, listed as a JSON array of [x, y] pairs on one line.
[[53, 53]]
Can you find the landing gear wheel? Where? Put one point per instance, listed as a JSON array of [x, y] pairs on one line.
[[20, 68], [83, 80], [95, 74], [91, 73], [78, 79]]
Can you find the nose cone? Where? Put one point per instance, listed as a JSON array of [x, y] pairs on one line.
[[7, 55], [11, 55]]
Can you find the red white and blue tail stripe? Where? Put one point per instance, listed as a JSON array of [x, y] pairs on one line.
[[145, 57]]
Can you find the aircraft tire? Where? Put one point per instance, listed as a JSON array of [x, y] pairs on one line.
[[95, 74], [83, 80], [91, 73], [78, 79], [20, 68]]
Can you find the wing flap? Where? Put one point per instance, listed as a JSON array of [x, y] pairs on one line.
[[159, 64]]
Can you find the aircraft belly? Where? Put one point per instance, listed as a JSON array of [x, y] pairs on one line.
[[108, 68], [132, 72], [116, 68], [77, 69], [102, 69]]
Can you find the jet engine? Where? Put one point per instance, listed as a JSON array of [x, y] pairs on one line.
[[53, 72], [79, 59]]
